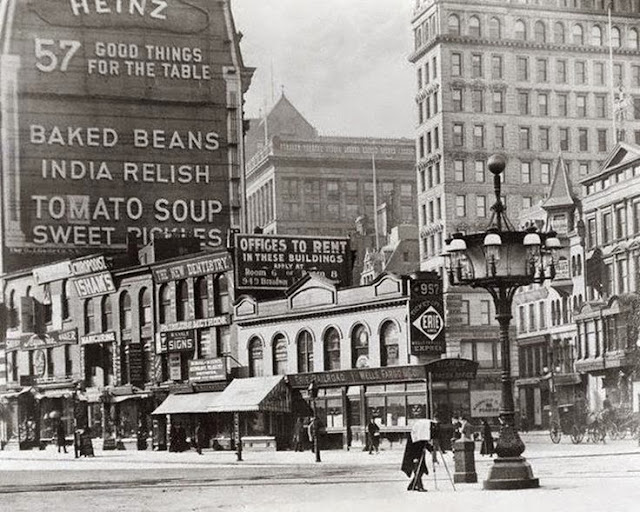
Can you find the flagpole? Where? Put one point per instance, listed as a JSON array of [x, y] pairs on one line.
[[613, 94], [375, 201]]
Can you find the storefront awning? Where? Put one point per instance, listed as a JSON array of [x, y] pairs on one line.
[[190, 403], [268, 394]]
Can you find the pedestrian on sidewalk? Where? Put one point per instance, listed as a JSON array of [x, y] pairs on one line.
[[298, 428], [374, 436], [487, 439], [199, 437], [61, 436]]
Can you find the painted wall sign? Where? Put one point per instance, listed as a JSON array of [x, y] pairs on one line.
[[210, 264], [111, 128], [199, 323], [94, 284], [177, 341], [275, 262], [485, 403], [426, 315], [202, 370], [102, 337]]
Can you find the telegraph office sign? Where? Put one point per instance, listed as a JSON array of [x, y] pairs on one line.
[[426, 315]]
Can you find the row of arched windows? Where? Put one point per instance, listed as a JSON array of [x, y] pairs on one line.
[[98, 311], [540, 33], [201, 299], [332, 350]]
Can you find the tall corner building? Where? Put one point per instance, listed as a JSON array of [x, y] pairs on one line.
[[532, 80]]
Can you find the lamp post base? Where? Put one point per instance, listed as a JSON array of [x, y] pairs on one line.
[[508, 473]]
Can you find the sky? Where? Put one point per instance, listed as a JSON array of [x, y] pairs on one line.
[[342, 63]]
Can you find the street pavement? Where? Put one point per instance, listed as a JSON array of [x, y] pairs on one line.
[[581, 477]]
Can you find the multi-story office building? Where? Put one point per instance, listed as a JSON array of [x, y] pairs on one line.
[[530, 80]]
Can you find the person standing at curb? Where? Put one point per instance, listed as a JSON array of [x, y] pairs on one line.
[[374, 436], [61, 436]]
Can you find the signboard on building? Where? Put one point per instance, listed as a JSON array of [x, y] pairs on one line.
[[110, 129], [136, 363], [94, 285], [452, 369], [202, 266], [49, 339], [101, 337], [275, 262], [198, 323], [204, 370], [175, 366], [485, 403], [54, 272], [426, 315], [177, 341]]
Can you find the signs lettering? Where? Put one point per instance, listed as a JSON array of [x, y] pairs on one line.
[[177, 341], [426, 315], [203, 370], [94, 285], [210, 264], [102, 337], [199, 323]]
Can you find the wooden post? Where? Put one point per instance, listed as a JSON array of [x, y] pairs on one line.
[[237, 436]]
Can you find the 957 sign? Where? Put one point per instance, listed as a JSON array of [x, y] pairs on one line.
[[426, 315], [52, 55]]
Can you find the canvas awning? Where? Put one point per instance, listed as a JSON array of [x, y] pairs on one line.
[[268, 394], [190, 403]]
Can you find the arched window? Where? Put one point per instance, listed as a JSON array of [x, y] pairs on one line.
[[453, 26], [222, 295], [633, 38], [540, 32], [125, 310], [389, 344], [107, 314], [89, 316], [280, 357], [495, 29], [331, 349], [182, 300], [474, 27], [558, 33], [165, 304], [615, 37], [256, 368], [520, 30], [305, 352], [202, 297], [145, 306], [577, 34], [360, 347], [596, 36]]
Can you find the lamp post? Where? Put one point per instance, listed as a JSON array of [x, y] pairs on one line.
[[555, 427], [501, 260], [313, 393]]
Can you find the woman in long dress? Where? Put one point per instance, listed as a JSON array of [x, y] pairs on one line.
[[487, 440]]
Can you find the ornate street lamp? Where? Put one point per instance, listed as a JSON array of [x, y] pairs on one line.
[[501, 260]]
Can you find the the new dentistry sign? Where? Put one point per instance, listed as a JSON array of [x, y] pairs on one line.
[[116, 118]]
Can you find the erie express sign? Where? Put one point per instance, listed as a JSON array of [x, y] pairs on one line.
[[112, 128]]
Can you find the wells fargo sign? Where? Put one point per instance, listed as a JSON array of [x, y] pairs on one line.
[[112, 129]]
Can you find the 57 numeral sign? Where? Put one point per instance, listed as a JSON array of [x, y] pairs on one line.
[[52, 55]]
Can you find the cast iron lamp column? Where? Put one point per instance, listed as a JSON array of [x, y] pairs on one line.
[[501, 260]]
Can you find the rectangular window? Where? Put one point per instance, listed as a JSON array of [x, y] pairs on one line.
[[623, 270], [464, 312], [456, 98], [426, 73], [523, 103], [498, 139], [456, 64], [563, 109], [592, 238], [544, 138], [496, 67], [617, 74], [545, 173], [602, 141], [541, 70], [478, 136], [458, 168], [477, 100], [526, 202], [434, 67], [598, 73], [525, 138], [458, 134], [498, 102], [532, 317], [476, 65], [525, 172], [607, 234], [485, 312], [564, 139], [481, 206], [461, 206], [601, 107], [543, 104], [419, 76], [581, 72], [541, 315], [561, 71], [635, 76], [583, 168], [480, 171], [581, 105], [436, 138], [522, 319], [621, 222], [636, 108], [583, 139], [522, 67]]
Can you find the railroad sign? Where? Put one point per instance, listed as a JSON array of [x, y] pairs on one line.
[[426, 314]]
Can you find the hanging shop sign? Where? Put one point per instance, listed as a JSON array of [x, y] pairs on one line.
[[426, 315], [102, 337], [275, 262], [485, 403], [94, 285], [205, 265], [50, 273], [204, 370], [177, 341], [452, 369], [199, 323], [138, 141]]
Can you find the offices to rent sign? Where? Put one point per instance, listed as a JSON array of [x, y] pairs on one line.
[[118, 129], [275, 262]]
